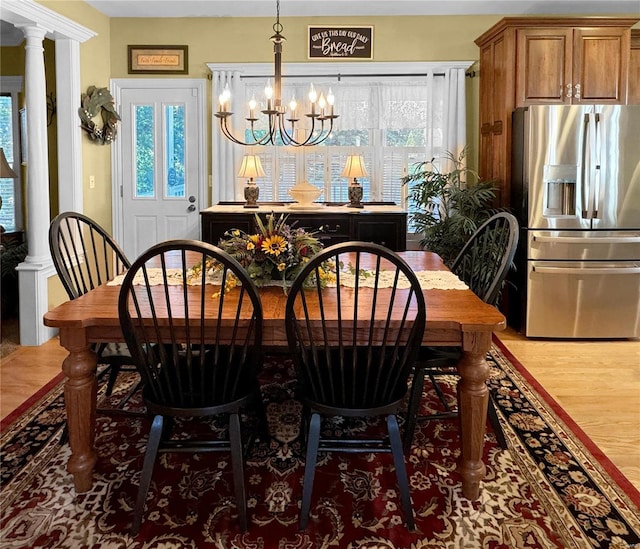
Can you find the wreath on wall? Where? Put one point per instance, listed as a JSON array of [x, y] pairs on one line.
[[98, 101]]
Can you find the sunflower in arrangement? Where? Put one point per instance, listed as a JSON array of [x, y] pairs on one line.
[[277, 252]]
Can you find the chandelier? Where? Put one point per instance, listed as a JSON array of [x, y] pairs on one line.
[[282, 123]]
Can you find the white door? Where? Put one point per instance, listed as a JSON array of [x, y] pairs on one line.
[[161, 174]]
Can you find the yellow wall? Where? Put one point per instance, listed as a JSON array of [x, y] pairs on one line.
[[95, 70], [237, 40]]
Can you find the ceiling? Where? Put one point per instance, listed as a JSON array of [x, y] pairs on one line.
[[10, 36], [266, 8]]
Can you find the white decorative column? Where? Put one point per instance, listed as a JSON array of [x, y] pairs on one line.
[[36, 22], [68, 95], [37, 267]]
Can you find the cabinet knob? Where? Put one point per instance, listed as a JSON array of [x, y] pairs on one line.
[[569, 90], [577, 92]]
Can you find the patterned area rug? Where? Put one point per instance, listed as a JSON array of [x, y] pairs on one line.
[[547, 491]]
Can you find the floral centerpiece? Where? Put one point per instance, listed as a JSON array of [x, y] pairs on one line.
[[277, 252]]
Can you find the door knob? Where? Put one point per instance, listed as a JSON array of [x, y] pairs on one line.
[[192, 199], [191, 208]]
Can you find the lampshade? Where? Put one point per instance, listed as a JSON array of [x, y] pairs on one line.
[[251, 167], [355, 167], [5, 169]]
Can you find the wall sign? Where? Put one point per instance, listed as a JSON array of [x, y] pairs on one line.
[[158, 59], [340, 42]]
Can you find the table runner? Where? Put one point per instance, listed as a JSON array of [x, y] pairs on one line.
[[429, 280]]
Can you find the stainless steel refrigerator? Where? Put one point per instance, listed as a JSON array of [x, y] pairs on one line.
[[576, 191]]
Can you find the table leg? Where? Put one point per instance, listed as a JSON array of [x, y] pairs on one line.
[[80, 394], [473, 398]]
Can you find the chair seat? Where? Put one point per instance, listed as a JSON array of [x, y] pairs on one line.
[[115, 351]]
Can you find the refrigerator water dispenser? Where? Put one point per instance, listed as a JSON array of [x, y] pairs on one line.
[[560, 190]]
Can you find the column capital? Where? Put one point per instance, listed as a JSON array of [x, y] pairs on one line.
[[33, 31]]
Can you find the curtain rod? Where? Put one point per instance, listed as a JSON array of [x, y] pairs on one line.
[[470, 74], [341, 75]]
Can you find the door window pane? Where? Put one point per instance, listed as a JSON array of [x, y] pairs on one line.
[[144, 154], [174, 132]]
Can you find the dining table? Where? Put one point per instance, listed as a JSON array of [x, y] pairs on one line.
[[455, 317]]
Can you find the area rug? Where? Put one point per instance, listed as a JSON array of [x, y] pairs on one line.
[[551, 489]]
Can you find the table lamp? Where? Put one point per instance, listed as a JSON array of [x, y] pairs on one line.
[[355, 168], [251, 167], [5, 169]]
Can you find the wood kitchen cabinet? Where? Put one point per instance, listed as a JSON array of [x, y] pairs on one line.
[[543, 60], [633, 95], [572, 65], [386, 225]]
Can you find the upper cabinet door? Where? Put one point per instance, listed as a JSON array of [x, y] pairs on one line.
[[633, 95], [601, 65], [560, 65], [544, 66]]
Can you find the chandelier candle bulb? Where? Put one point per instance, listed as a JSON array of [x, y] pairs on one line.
[[330, 99], [268, 92], [225, 99], [313, 97], [292, 107], [322, 103]]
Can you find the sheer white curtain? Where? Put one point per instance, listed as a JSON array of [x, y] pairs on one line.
[[226, 155], [455, 131]]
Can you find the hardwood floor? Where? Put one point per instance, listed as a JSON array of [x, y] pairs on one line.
[[597, 383]]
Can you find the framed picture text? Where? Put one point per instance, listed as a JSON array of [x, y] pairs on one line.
[[158, 59], [340, 42]]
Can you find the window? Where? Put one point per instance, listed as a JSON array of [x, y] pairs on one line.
[[10, 217], [386, 122], [395, 115]]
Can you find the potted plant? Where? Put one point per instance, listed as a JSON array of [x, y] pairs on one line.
[[450, 202]]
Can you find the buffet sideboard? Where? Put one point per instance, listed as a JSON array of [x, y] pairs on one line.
[[384, 223]]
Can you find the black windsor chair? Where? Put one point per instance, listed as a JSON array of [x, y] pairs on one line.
[[197, 348], [483, 264], [347, 365], [86, 256]]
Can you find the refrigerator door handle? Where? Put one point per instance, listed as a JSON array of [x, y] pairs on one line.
[[596, 181], [588, 239], [582, 170], [588, 271], [592, 166]]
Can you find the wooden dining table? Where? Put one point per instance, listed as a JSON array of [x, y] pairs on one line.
[[454, 318]]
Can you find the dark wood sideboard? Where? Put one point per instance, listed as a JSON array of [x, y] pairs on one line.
[[384, 224]]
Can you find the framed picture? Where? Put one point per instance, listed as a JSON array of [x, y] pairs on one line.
[[158, 59], [340, 42]]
